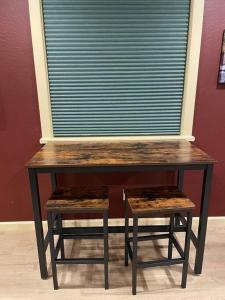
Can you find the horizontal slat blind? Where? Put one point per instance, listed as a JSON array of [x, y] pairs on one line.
[[116, 67]]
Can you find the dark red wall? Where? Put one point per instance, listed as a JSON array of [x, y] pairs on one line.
[[209, 120], [20, 125]]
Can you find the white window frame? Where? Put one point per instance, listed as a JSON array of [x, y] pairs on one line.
[[190, 84]]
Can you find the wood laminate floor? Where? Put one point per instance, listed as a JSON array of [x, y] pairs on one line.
[[20, 279]]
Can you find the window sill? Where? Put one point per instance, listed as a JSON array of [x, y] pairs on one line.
[[45, 140]]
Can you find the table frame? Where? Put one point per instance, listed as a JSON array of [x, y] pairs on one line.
[[198, 241]]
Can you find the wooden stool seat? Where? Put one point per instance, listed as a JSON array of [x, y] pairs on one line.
[[157, 200], [76, 199]]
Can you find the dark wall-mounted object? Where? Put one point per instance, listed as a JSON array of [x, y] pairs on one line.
[[221, 77]]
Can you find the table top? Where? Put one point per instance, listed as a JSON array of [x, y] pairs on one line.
[[119, 153]]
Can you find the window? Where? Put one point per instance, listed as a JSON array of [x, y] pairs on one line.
[[115, 69]]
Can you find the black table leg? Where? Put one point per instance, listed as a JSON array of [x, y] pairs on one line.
[[53, 181], [57, 217], [203, 218], [180, 179], [38, 223], [180, 182]]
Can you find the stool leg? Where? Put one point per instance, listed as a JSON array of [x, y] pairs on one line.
[[106, 248], [134, 258], [177, 220], [170, 246], [126, 232], [186, 250], [52, 251], [59, 223]]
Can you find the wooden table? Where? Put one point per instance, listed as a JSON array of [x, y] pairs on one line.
[[124, 156]]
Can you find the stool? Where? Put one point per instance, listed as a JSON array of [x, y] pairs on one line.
[[148, 202], [76, 200]]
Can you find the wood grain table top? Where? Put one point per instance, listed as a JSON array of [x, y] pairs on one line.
[[124, 153]]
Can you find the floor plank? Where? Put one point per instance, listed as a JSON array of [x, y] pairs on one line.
[[19, 273]]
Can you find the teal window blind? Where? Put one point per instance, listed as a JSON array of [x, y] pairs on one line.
[[116, 68]]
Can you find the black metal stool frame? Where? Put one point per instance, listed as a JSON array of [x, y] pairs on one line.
[[54, 249], [184, 254]]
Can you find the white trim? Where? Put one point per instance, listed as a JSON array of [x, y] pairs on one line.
[[191, 75], [120, 138], [41, 70], [192, 64], [98, 222]]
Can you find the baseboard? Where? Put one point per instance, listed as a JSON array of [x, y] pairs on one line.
[[97, 222]]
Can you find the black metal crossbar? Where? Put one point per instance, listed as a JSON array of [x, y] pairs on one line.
[[118, 229], [130, 251], [88, 236], [178, 246], [90, 260], [159, 263], [58, 246], [46, 241], [151, 237]]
